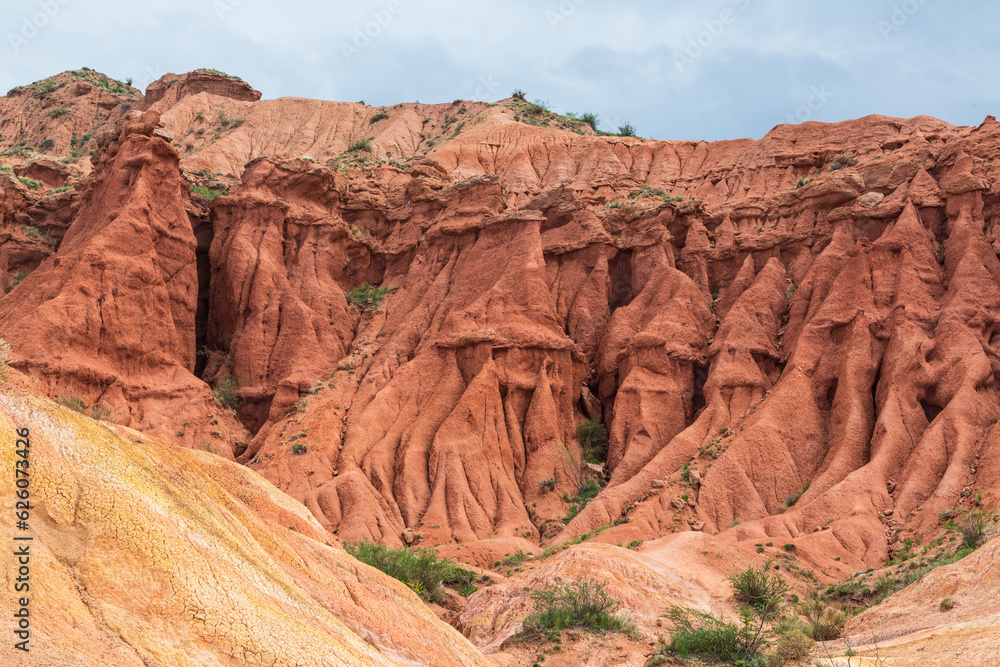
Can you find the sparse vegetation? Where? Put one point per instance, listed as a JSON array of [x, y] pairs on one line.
[[947, 604], [580, 604], [16, 280], [420, 569], [226, 391], [207, 193], [32, 184], [45, 86], [298, 449], [801, 183], [842, 162], [547, 484], [591, 119], [36, 233], [519, 94], [76, 403], [794, 497], [209, 70], [702, 634], [973, 526], [587, 492], [760, 590], [825, 621], [381, 115], [104, 82], [761, 595], [360, 145], [593, 439], [56, 112], [626, 130], [46, 144], [227, 123], [367, 297]]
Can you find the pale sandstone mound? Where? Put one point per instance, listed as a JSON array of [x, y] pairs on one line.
[[149, 554], [912, 627], [644, 587]]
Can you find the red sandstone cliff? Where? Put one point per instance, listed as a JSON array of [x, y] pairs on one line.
[[748, 337]]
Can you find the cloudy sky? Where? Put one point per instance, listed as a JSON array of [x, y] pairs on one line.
[[716, 69]]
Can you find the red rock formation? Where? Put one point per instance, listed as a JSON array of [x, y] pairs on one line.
[[110, 318], [791, 346]]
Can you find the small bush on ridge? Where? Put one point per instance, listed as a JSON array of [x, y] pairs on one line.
[[579, 604], [420, 569]]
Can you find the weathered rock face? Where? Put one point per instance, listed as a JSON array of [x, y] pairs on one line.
[[147, 553], [170, 89], [59, 115], [804, 352], [110, 318]]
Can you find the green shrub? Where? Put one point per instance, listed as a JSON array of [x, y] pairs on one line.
[[626, 130], [761, 591], [76, 403], [547, 484], [519, 94], [32, 185], [591, 119], [588, 491], [298, 449], [825, 622], [208, 194], [366, 297], [792, 645], [794, 497], [947, 604], [649, 191], [226, 391], [580, 604], [801, 183], [593, 439], [420, 569], [702, 634], [973, 526], [360, 145], [381, 115], [227, 123], [46, 144], [56, 112], [842, 162]]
